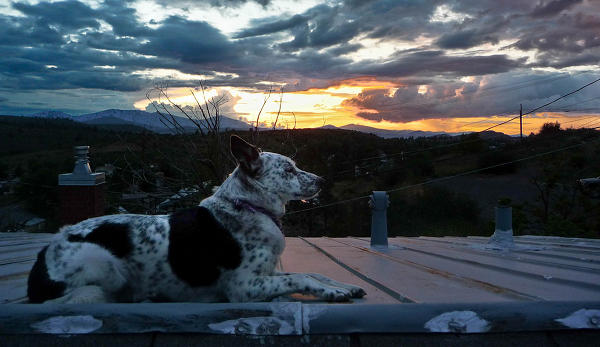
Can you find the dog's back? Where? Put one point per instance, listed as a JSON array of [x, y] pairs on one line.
[[135, 258]]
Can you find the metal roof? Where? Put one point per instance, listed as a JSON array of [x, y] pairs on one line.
[[417, 284]]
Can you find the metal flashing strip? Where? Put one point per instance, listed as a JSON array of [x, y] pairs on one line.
[[573, 283], [457, 318], [453, 241], [563, 247], [510, 293], [293, 318], [524, 260], [283, 318], [394, 294], [579, 243], [581, 284]]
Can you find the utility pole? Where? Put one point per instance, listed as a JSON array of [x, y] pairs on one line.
[[521, 120]]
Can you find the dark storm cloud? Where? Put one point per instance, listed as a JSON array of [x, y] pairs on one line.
[[19, 32], [563, 40], [323, 26], [272, 26], [122, 19], [552, 8], [190, 41], [214, 3], [549, 60], [75, 38], [481, 97], [480, 30], [69, 14], [52, 60], [106, 41], [404, 20], [436, 62], [344, 48], [465, 39]]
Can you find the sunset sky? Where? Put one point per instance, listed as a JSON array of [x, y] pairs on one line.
[[421, 65]]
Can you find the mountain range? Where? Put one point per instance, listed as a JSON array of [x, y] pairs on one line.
[[388, 134], [150, 121]]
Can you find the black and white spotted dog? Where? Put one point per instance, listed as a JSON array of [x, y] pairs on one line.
[[226, 249]]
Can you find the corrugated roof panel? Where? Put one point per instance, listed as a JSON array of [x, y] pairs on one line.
[[412, 269]]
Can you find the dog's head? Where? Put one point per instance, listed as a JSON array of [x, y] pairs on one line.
[[275, 173]]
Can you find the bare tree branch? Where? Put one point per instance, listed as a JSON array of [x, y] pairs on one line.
[[279, 110], [255, 133]]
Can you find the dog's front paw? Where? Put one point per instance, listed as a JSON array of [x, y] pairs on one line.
[[337, 295], [357, 292]]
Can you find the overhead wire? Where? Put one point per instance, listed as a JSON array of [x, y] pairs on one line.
[[470, 171], [480, 131], [445, 178], [544, 105]]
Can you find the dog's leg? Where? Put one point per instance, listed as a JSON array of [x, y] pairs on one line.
[[82, 295], [263, 288], [355, 291]]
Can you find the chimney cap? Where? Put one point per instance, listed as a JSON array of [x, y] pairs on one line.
[[82, 174]]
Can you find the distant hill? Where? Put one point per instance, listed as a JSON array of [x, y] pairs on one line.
[[51, 114], [392, 134], [137, 118], [387, 134], [132, 119], [497, 136], [147, 120]]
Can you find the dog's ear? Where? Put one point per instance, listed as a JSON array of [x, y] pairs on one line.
[[246, 154]]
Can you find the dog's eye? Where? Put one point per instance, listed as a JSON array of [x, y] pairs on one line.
[[290, 169]]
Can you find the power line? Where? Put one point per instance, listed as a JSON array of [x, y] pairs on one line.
[[581, 126], [328, 205], [411, 152], [581, 102], [578, 120], [485, 90], [494, 126], [418, 150], [563, 96], [487, 120], [445, 178], [476, 140], [344, 172], [540, 107]]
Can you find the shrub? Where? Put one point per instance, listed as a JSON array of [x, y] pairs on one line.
[[550, 129]]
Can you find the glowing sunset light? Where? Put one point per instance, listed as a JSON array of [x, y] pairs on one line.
[[318, 107]]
